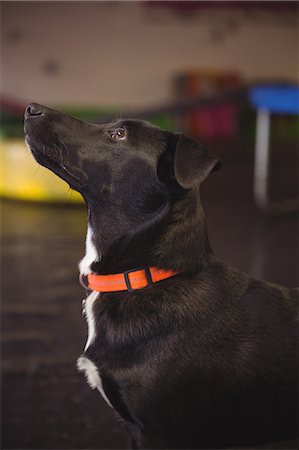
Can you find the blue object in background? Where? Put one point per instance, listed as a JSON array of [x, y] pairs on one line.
[[270, 99], [276, 98]]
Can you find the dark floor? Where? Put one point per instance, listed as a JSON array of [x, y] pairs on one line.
[[46, 404]]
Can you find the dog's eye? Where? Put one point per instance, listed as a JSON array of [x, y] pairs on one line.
[[119, 134]]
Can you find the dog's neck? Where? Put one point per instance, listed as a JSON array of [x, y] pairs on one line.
[[177, 241]]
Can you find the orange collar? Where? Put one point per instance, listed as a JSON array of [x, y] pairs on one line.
[[125, 281]]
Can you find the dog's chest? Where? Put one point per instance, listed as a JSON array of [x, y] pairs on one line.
[[88, 313], [108, 386], [84, 364]]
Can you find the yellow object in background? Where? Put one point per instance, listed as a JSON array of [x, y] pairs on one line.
[[21, 178]]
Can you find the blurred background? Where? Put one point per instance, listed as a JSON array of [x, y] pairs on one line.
[[226, 73]]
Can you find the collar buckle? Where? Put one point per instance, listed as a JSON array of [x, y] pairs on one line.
[[147, 274]]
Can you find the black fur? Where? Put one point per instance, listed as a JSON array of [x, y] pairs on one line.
[[206, 359]]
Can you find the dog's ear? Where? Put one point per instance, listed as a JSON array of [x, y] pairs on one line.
[[192, 163]]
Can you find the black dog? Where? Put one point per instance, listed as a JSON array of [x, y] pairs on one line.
[[207, 356]]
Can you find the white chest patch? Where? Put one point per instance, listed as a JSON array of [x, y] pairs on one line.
[[84, 267], [84, 364], [91, 254], [92, 374], [90, 318]]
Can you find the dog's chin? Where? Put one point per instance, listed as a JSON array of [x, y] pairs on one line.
[[74, 177]]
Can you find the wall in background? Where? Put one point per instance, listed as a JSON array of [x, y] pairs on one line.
[[123, 54]]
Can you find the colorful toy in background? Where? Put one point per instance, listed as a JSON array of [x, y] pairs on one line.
[[211, 122]]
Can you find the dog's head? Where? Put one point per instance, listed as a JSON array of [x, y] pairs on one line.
[[129, 169]]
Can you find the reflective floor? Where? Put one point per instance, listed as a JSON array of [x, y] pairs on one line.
[[46, 404]]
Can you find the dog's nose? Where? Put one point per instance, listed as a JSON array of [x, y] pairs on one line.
[[34, 110]]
